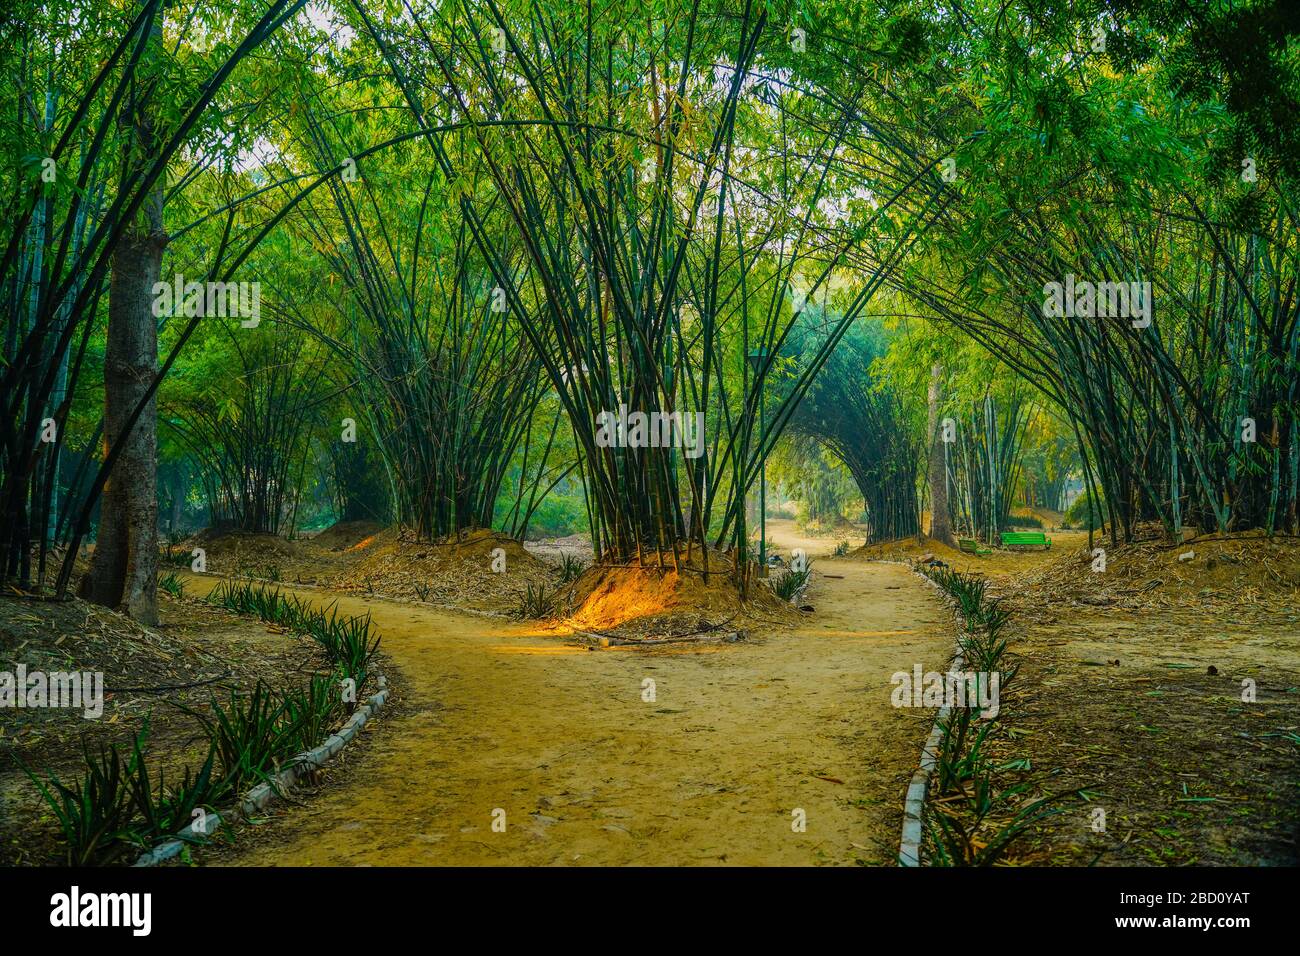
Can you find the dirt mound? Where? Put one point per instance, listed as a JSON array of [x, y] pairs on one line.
[[1227, 570], [643, 602], [459, 572], [838, 527], [343, 535], [242, 552], [261, 555], [905, 549]]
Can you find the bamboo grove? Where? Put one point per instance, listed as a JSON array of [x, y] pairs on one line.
[[479, 226]]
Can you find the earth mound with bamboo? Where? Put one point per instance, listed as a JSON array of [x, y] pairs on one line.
[[478, 570], [641, 603]]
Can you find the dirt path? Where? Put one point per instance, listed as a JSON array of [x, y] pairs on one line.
[[587, 772]]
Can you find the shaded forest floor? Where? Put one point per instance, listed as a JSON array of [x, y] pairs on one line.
[[149, 674], [364, 558], [1131, 686]]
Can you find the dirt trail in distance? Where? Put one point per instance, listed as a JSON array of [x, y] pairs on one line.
[[587, 772]]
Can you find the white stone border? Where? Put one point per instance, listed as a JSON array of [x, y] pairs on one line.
[[266, 793], [909, 847]]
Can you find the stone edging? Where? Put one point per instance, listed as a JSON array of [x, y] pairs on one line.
[[909, 848], [266, 793]]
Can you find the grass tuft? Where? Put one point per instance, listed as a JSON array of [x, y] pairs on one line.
[[791, 583], [537, 603]]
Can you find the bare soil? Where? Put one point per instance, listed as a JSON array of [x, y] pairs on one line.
[[1133, 686], [362, 557], [590, 768]]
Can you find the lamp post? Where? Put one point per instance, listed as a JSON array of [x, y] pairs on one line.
[[757, 359]]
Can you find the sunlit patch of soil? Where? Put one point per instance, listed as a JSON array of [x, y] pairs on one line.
[[362, 544], [649, 601]]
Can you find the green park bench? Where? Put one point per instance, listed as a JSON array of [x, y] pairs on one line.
[[971, 546], [1026, 539]]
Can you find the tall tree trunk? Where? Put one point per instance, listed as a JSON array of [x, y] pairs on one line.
[[123, 570], [940, 529]]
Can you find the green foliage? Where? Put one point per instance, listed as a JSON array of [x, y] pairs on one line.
[[862, 423], [311, 711], [977, 821], [537, 603], [243, 411], [94, 812], [989, 819], [250, 734], [558, 516], [164, 811], [172, 585], [115, 806], [791, 583], [346, 640], [1085, 513], [571, 568]]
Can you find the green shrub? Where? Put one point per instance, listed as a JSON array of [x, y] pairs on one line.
[[345, 640], [249, 734], [571, 568], [557, 516], [537, 603], [790, 583], [94, 813], [975, 823], [311, 712], [117, 805], [963, 833], [1082, 515], [163, 811]]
